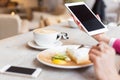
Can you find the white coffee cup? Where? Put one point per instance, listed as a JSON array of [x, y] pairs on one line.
[[72, 24], [44, 37]]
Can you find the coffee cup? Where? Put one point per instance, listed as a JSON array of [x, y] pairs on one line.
[[44, 37], [72, 24]]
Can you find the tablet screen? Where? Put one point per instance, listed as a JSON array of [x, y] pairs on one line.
[[88, 20], [21, 70]]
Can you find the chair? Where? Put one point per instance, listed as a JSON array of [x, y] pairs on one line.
[[11, 25]]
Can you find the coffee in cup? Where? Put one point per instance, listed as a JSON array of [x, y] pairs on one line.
[[44, 37]]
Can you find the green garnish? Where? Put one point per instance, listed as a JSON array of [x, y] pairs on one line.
[[61, 57]]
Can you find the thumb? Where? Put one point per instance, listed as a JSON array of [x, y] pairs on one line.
[[98, 17]]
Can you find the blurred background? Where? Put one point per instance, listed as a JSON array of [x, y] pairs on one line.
[[21, 16]]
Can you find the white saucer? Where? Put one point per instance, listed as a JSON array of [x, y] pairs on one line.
[[34, 45]]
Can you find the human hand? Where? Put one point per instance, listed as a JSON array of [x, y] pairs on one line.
[[78, 23], [103, 58]]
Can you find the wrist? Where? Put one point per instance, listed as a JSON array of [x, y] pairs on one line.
[[106, 40], [102, 38]]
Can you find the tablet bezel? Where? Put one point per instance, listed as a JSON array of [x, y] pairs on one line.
[[94, 32]]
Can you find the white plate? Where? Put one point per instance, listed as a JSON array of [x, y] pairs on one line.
[[34, 45], [45, 57]]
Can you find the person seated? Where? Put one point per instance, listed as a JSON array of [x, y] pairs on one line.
[[99, 8]]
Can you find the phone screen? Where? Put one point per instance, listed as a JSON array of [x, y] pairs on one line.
[[21, 70], [84, 15]]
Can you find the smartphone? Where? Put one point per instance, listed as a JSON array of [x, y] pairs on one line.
[[86, 17], [22, 71]]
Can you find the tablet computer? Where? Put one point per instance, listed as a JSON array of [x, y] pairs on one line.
[[86, 17]]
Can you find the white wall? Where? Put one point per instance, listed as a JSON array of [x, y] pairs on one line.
[[90, 3], [27, 3], [111, 5]]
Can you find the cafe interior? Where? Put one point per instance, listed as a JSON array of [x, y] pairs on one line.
[[21, 16], [19, 45]]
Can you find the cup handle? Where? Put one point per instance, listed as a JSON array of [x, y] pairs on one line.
[[59, 37], [64, 35]]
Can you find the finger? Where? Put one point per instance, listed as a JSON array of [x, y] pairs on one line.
[[95, 47], [95, 52], [98, 17], [92, 58], [102, 46], [73, 17], [78, 23]]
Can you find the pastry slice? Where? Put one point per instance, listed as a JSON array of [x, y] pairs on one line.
[[79, 56]]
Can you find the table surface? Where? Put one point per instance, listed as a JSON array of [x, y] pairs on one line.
[[15, 51]]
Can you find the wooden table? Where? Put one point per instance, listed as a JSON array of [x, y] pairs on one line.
[[14, 51]]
